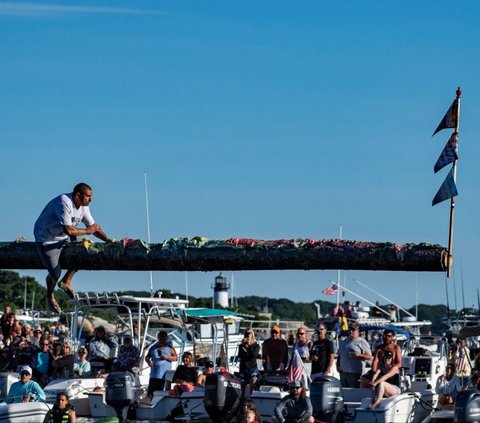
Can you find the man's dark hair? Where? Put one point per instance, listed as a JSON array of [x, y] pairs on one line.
[[81, 188]]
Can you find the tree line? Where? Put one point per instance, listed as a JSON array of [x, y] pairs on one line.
[[12, 293]]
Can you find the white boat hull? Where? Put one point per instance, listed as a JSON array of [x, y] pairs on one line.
[[28, 412]]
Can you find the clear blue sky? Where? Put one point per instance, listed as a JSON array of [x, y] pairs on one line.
[[262, 119]]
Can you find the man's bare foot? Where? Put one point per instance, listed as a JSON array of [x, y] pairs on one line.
[[52, 304]]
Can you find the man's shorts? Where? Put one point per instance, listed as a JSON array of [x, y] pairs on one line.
[[50, 256]]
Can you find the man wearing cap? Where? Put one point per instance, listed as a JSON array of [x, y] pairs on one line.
[[208, 369], [275, 351], [296, 406], [352, 354], [25, 390]]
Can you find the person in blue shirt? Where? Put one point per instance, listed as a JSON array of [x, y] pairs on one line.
[[25, 390], [160, 357]]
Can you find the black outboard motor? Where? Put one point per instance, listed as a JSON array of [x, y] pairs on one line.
[[119, 392], [327, 400], [467, 406], [223, 394]]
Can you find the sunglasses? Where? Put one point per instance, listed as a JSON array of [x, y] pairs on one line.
[[295, 388], [274, 331], [24, 373], [46, 345], [301, 333]]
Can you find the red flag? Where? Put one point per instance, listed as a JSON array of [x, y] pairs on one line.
[[331, 290]]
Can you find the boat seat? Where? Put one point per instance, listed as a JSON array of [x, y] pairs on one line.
[[266, 388]]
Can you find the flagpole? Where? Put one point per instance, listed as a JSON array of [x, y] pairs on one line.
[[452, 200]]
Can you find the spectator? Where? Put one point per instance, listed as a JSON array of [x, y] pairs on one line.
[[36, 337], [100, 348], [296, 406], [159, 357], [387, 361], [62, 411], [63, 360], [185, 376], [448, 386], [274, 351], [43, 362], [352, 354], [128, 356], [248, 351], [6, 324], [7, 361], [82, 367], [249, 413], [321, 353], [207, 370], [25, 390]]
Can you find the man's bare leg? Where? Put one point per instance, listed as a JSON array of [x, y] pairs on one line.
[[52, 303], [65, 283]]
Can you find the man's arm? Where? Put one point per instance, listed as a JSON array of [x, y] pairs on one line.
[[278, 411], [94, 229]]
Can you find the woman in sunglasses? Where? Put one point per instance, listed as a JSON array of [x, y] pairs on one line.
[[386, 365], [82, 366]]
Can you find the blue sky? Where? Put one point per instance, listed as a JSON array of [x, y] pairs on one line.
[[261, 119]]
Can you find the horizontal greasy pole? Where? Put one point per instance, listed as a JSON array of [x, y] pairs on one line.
[[201, 254]]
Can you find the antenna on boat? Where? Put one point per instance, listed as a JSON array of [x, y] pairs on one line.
[[25, 295], [463, 291], [338, 271], [446, 290], [148, 228], [186, 285], [385, 298]]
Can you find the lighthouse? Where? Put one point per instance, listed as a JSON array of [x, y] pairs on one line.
[[220, 291]]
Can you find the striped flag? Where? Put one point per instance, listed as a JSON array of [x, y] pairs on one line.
[[450, 118], [297, 371], [449, 153], [333, 289], [447, 190]]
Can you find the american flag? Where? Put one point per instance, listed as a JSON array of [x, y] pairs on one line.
[[461, 365], [297, 370], [331, 290]]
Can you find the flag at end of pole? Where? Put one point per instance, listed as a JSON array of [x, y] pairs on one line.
[[333, 289], [450, 119], [447, 190]]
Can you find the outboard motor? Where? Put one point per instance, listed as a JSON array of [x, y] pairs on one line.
[[119, 392], [223, 394], [467, 406], [327, 400]]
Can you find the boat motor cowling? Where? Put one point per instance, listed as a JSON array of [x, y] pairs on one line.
[[223, 394], [326, 398], [119, 391], [467, 406]]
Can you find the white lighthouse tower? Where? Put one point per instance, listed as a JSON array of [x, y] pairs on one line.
[[220, 291]]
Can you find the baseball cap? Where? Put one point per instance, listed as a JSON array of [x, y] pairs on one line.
[[296, 384], [27, 369], [353, 326], [276, 328], [209, 363]]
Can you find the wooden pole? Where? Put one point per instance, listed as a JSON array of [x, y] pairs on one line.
[[452, 200], [200, 254]]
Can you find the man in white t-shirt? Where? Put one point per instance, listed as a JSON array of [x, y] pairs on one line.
[[56, 226]]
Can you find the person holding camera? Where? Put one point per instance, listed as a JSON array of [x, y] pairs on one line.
[[248, 351]]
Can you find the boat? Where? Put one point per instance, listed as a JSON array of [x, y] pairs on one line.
[[28, 412], [207, 333]]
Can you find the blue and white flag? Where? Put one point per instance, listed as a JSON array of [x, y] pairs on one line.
[[450, 118], [449, 153], [447, 190]]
